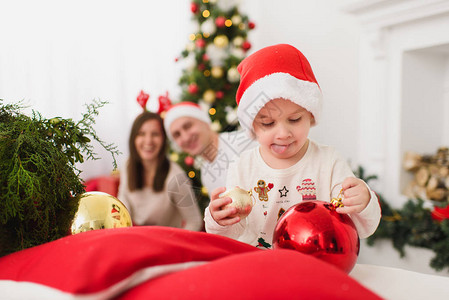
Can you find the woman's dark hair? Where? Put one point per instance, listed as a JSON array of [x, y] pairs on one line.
[[135, 167]]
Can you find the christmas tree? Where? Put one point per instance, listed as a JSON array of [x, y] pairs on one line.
[[210, 77]]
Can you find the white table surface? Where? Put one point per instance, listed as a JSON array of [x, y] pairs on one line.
[[394, 283]]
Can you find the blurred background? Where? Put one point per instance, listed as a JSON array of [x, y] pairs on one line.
[[59, 55]]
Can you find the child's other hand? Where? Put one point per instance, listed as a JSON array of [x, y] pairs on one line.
[[221, 215], [356, 196]]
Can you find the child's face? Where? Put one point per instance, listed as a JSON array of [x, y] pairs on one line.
[[282, 128]]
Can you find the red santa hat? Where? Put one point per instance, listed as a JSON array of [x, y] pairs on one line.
[[279, 71], [184, 109]]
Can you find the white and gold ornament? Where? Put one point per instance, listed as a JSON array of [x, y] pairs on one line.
[[209, 96], [190, 46], [221, 41], [190, 62], [208, 27], [233, 75], [241, 199], [238, 41], [231, 115], [174, 157], [238, 52], [216, 55], [215, 126], [236, 19], [227, 5], [217, 72]]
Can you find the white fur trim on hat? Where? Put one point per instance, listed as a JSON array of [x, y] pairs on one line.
[[277, 85], [184, 110]]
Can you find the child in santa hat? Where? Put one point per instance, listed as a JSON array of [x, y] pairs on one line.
[[279, 100]]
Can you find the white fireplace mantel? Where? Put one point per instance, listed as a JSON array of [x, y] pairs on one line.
[[404, 85], [403, 100]]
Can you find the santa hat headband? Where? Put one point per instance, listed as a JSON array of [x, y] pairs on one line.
[[279, 71], [184, 109]]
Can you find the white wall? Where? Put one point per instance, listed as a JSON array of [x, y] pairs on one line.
[[58, 55], [329, 39]]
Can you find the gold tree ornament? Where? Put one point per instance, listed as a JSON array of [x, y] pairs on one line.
[[98, 210], [217, 72], [221, 41], [209, 96]]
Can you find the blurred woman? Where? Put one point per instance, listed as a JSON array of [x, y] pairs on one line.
[[155, 190]]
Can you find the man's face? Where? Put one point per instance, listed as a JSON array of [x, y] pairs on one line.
[[191, 135]]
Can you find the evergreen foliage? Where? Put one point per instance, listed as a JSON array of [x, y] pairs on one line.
[[412, 225], [210, 77], [40, 185]]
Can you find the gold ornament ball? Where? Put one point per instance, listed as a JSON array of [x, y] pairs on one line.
[[98, 210], [217, 72], [209, 96], [238, 41], [233, 75], [174, 157], [221, 41]]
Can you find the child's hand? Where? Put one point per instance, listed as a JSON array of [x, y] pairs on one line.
[[356, 196], [221, 215]]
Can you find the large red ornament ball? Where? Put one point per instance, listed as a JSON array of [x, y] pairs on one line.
[[314, 227]]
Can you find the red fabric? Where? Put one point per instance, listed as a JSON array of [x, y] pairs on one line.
[[105, 184], [91, 263], [288, 60], [266, 274]]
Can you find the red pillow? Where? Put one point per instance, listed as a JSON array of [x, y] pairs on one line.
[[161, 262], [106, 262], [267, 274]]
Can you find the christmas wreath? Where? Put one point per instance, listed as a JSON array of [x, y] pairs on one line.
[[40, 185], [413, 225]]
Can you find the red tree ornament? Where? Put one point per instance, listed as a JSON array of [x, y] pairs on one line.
[[200, 43], [220, 21], [314, 227], [194, 7], [189, 161], [142, 99], [219, 94], [193, 88], [246, 45], [251, 25]]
